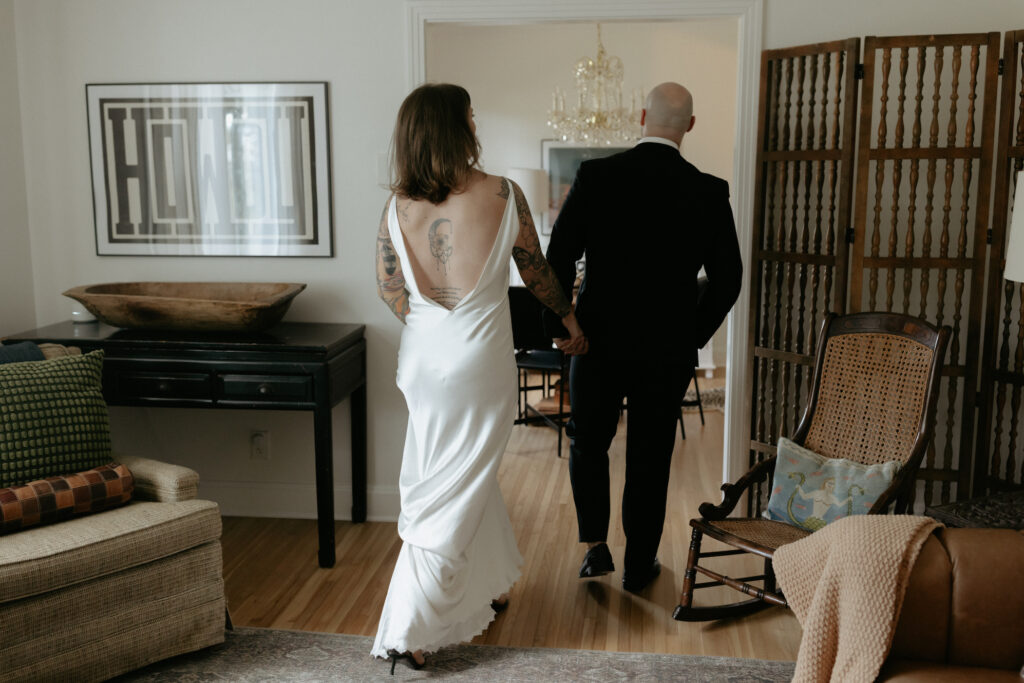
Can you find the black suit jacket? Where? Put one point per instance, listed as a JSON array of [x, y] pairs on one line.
[[647, 221]]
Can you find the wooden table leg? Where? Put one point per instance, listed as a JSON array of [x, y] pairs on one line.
[[358, 412], [324, 483]]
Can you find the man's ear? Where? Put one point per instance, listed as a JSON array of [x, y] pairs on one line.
[[643, 116], [693, 119]]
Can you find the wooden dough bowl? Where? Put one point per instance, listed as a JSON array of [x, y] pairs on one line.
[[201, 306]]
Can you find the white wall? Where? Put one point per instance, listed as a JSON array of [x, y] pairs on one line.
[[17, 307], [356, 46], [511, 86]]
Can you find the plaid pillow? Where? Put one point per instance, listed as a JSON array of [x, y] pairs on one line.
[[57, 498]]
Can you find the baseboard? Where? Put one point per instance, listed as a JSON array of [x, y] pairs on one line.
[[295, 501]]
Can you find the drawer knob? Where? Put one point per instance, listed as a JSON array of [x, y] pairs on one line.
[[164, 387], [264, 390]]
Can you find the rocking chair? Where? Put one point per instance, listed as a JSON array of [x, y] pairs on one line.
[[872, 400]]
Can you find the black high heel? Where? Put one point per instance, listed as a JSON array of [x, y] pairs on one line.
[[395, 655]]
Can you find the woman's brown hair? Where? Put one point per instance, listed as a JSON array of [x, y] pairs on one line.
[[434, 149]]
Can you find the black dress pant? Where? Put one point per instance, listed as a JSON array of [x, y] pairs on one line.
[[653, 387]]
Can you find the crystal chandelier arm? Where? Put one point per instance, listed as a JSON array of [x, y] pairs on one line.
[[598, 117]]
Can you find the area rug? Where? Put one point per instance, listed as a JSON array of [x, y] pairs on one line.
[[711, 399], [264, 655]]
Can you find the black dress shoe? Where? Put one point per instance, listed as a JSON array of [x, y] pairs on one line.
[[597, 562], [635, 582], [499, 607]]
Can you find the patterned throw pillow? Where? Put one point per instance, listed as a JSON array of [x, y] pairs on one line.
[[53, 419], [811, 490], [57, 498]]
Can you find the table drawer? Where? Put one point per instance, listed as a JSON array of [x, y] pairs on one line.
[[163, 385], [270, 388]]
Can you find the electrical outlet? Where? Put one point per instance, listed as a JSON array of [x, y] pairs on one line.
[[259, 445]]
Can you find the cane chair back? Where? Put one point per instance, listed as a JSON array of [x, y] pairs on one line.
[[872, 400]]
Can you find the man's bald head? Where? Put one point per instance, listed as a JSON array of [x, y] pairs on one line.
[[668, 112]]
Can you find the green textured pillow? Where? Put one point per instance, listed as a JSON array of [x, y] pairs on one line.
[[53, 419]]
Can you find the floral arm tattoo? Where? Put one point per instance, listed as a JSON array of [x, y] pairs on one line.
[[533, 267], [390, 279]]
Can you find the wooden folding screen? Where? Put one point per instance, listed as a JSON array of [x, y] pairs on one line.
[[921, 213], [799, 259], [998, 463], [924, 162]]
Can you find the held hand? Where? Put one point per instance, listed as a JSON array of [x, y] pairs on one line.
[[577, 343], [572, 347]]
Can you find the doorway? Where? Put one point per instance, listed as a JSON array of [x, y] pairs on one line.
[[450, 43]]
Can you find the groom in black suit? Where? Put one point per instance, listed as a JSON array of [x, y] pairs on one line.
[[646, 221]]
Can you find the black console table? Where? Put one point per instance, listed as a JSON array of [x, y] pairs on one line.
[[292, 366]]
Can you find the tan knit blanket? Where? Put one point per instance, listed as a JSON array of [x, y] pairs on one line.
[[846, 583]]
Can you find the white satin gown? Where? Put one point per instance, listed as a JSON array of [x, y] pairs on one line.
[[458, 373]]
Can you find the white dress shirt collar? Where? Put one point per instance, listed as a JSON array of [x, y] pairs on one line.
[[660, 141]]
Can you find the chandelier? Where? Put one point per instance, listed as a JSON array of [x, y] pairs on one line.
[[598, 117]]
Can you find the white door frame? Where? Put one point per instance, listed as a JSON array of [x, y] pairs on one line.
[[749, 15]]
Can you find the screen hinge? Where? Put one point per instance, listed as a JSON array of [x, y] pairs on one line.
[[849, 236], [858, 72], [988, 236], [1000, 69]]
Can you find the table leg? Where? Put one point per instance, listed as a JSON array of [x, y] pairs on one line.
[[358, 412], [324, 453]]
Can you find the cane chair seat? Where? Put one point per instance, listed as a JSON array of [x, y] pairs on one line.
[[762, 534], [872, 400]]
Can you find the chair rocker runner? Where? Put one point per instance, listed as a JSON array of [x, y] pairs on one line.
[[872, 400]]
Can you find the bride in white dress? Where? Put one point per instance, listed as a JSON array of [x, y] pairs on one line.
[[443, 250]]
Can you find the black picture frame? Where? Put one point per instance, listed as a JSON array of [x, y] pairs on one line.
[[561, 160], [211, 169]]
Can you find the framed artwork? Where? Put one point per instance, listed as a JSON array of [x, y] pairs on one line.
[[210, 169], [561, 160]]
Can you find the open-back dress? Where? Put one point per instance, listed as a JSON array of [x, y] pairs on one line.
[[457, 370]]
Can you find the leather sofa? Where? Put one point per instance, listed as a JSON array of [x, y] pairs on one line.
[[963, 614]]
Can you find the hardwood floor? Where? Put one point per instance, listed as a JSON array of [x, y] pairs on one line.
[[273, 579]]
